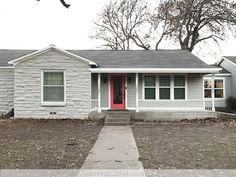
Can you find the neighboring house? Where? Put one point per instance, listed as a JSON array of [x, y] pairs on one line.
[[225, 82], [56, 83]]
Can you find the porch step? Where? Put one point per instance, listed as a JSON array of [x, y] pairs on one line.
[[116, 124], [117, 118]]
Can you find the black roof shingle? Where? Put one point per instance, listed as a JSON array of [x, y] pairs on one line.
[[8, 55], [125, 59], [142, 59], [222, 71]]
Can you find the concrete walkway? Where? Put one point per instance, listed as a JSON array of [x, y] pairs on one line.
[[115, 149]]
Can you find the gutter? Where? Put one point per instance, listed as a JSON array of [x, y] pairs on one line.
[[6, 67], [220, 74], [155, 70]]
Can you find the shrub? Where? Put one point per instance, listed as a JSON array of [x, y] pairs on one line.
[[231, 104]]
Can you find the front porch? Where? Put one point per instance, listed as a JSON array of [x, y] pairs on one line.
[[143, 92], [162, 106]]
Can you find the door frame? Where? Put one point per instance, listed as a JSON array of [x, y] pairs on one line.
[[124, 85]]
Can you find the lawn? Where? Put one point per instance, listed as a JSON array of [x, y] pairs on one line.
[[187, 145], [46, 144]]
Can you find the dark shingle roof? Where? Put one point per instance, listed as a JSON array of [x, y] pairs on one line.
[[223, 71], [125, 59], [8, 55], [231, 58], [142, 59]]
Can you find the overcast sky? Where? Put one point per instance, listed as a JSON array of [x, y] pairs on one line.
[[29, 24]]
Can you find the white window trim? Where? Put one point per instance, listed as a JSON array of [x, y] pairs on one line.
[[216, 78], [45, 103], [144, 87], [157, 76]]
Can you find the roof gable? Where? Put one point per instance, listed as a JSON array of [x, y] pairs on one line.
[[50, 48], [230, 59]]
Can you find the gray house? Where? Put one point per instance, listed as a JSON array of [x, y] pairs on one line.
[[56, 83], [225, 82]]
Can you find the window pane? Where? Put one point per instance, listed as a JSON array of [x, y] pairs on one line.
[[179, 80], [53, 94], [117, 90], [207, 93], [165, 81], [164, 93], [150, 81], [207, 83], [150, 93], [179, 93], [219, 93], [53, 78], [218, 83]]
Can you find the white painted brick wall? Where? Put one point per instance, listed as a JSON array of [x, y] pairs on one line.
[[28, 87], [6, 90]]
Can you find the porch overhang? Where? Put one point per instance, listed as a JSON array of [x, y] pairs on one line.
[[156, 70]]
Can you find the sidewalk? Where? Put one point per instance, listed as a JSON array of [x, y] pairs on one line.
[[115, 149]]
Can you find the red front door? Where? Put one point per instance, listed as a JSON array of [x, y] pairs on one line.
[[117, 91]]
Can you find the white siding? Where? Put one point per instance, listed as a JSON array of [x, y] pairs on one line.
[[228, 87], [104, 91], [222, 102], [140, 87], [195, 86], [231, 68], [28, 87], [131, 95], [194, 93], [6, 90], [194, 97]]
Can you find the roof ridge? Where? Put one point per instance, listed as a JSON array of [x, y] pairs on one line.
[[125, 50], [99, 50], [18, 49]]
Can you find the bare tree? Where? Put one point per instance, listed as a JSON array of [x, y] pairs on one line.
[[161, 22], [122, 23], [63, 3], [190, 22]]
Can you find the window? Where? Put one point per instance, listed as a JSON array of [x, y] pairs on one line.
[[150, 88], [218, 90], [164, 90], [207, 88], [179, 87], [53, 87]]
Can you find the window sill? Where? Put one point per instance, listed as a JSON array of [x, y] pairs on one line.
[[54, 104], [209, 99], [164, 100]]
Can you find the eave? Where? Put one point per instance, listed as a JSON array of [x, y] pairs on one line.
[[155, 70]]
